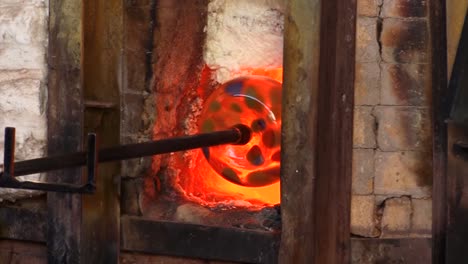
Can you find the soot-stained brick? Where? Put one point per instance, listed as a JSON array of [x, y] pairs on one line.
[[403, 128], [405, 41], [405, 84], [403, 173], [404, 8]]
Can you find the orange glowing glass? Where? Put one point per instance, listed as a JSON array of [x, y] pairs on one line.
[[254, 101]]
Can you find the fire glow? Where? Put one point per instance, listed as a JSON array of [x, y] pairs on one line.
[[210, 186]]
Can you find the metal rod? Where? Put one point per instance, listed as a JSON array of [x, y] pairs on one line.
[[239, 134], [9, 155]]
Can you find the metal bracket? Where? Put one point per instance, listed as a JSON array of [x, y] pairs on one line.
[[237, 135], [8, 180]]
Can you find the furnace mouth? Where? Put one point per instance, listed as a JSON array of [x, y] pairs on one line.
[[254, 102]]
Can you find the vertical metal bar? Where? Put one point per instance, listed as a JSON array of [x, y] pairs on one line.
[[9, 154]]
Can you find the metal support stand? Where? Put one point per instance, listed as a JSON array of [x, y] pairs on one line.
[[239, 134], [8, 180]]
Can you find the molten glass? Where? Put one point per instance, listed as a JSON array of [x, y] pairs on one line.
[[254, 101]]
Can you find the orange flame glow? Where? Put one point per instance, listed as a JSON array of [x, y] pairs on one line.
[[208, 187]]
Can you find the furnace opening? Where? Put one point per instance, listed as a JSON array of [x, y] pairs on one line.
[[246, 175]]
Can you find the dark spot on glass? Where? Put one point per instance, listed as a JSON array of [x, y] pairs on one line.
[[234, 87], [255, 156], [207, 126], [215, 106], [230, 175], [258, 125], [236, 108], [262, 177]]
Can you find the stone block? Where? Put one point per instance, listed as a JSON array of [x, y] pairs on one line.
[[367, 84], [363, 218], [396, 219], [403, 173], [36, 3], [405, 84], [22, 107], [23, 24], [364, 128], [21, 56], [244, 34], [421, 219], [23, 40], [404, 8], [363, 171], [21, 96], [405, 41], [403, 128], [368, 8], [367, 48]]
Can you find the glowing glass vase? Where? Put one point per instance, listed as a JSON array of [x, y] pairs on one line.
[[254, 101]]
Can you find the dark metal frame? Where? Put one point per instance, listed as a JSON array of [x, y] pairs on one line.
[[238, 135], [10, 169]]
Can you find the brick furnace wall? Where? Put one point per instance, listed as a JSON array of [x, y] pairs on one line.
[[23, 42], [392, 145]]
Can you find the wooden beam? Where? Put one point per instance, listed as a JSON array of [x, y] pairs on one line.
[[299, 133], [65, 127], [335, 132], [440, 110], [238, 245], [198, 241], [136, 239], [318, 92], [102, 79]]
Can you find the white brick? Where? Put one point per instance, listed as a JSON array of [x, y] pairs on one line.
[[20, 97], [243, 34], [37, 3], [22, 24], [16, 56]]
